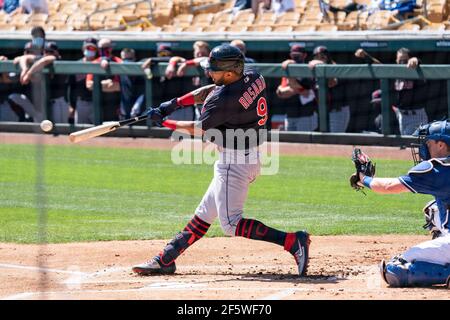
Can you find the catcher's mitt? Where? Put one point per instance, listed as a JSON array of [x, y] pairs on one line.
[[364, 165]]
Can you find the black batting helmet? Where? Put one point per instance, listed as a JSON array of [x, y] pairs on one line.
[[225, 58]]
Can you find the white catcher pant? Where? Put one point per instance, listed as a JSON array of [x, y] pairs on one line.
[[432, 251], [226, 195]]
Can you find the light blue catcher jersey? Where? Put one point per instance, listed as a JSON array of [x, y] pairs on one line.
[[432, 177]]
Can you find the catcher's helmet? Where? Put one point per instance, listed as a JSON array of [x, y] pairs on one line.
[[225, 58], [436, 130]]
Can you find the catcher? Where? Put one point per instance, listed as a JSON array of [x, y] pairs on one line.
[[427, 263]]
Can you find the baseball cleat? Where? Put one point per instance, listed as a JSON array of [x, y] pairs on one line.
[[300, 251], [154, 266]]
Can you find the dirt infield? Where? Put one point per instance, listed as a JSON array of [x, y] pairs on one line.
[[341, 267]]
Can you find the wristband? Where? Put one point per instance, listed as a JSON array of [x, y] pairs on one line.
[[171, 124], [186, 100], [367, 181], [191, 62]]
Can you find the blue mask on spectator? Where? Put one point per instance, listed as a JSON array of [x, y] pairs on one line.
[[89, 53], [38, 42]]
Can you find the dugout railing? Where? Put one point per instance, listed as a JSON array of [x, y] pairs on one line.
[[383, 73]]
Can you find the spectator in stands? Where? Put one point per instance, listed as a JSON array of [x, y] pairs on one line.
[[201, 53], [80, 98], [57, 83], [298, 93], [110, 84], [277, 6], [409, 98], [164, 87], [400, 8], [238, 6], [338, 108], [350, 6], [20, 99], [132, 87], [10, 6], [241, 46], [6, 113], [31, 7]]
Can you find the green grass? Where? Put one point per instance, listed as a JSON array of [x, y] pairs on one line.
[[117, 194]]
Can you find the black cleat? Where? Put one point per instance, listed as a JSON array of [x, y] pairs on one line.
[[300, 251], [154, 266]]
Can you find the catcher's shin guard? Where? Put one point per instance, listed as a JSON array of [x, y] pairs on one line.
[[399, 273], [193, 231]]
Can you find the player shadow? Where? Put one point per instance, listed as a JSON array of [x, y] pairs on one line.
[[269, 277], [291, 278]]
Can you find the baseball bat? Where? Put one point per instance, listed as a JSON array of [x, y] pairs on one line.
[[104, 128]]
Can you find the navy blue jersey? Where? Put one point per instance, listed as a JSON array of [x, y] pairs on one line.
[[238, 111], [432, 177]]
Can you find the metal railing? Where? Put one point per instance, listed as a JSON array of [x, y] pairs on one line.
[[383, 73]]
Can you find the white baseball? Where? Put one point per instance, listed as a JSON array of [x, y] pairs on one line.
[[46, 125]]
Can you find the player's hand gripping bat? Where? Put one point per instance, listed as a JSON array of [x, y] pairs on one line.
[[104, 128]]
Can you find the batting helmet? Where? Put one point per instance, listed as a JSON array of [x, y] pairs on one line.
[[436, 130], [225, 58]]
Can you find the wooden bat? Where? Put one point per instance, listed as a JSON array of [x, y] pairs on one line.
[[104, 128]]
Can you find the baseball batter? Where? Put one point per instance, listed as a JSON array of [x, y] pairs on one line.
[[427, 263], [234, 111]]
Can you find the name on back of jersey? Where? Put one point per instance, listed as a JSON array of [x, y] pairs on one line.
[[253, 90]]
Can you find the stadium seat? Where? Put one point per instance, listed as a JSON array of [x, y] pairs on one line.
[[215, 28], [129, 11], [69, 8], [223, 19], [114, 22], [88, 7], [203, 19], [244, 18], [37, 19], [192, 29], [183, 20], [78, 22], [19, 20], [236, 28], [278, 28], [434, 27], [171, 28], [259, 28], [53, 7], [58, 21], [134, 28], [265, 18], [151, 29], [96, 21], [327, 28], [409, 27], [305, 28], [288, 18]]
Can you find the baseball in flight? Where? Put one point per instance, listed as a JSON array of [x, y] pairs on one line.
[[46, 125]]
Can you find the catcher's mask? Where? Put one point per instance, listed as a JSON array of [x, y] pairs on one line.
[[224, 58], [437, 130]]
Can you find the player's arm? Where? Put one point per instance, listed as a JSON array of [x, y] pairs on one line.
[[189, 127], [383, 185]]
